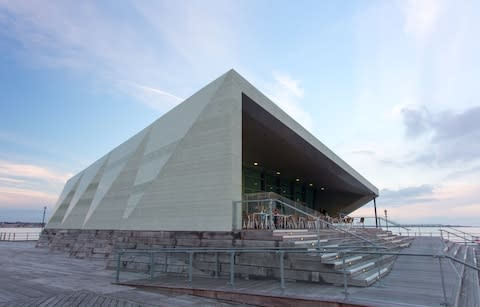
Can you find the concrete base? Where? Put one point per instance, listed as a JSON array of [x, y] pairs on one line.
[[84, 243], [101, 244]]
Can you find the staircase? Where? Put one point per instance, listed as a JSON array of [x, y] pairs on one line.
[[468, 292], [334, 254]]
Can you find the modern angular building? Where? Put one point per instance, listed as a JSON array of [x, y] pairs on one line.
[[184, 171]]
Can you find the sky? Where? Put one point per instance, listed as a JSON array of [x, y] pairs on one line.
[[392, 87]]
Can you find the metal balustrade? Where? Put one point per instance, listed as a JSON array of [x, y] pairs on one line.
[[19, 236], [265, 209], [463, 238], [125, 256]]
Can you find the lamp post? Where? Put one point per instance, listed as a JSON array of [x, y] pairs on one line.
[[43, 218], [386, 221]]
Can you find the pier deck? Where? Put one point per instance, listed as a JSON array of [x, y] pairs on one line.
[[31, 276]]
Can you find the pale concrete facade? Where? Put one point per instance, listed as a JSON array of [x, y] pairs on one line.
[[183, 171]]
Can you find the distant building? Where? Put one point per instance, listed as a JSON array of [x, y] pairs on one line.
[[184, 171]]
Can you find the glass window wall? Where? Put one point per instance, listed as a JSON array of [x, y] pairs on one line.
[[257, 179]]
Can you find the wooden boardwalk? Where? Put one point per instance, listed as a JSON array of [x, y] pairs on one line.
[[82, 298], [35, 277], [31, 276]]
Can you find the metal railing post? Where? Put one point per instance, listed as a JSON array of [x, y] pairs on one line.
[[27, 236], [165, 266], [270, 214], [318, 233], [152, 261], [216, 265], [282, 270], [190, 266], [234, 216], [117, 273], [443, 281], [232, 269], [379, 278], [345, 282]]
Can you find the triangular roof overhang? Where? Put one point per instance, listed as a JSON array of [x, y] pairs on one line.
[[270, 142]]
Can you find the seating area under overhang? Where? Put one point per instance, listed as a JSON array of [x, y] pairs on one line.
[[269, 144]]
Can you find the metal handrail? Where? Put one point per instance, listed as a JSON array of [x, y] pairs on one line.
[[393, 223], [464, 239], [190, 251], [314, 217], [457, 260], [259, 196], [383, 219], [19, 236], [472, 235], [284, 249], [236, 249]]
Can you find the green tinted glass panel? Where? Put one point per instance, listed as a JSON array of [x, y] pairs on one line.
[[284, 188], [252, 180], [310, 197], [271, 183], [298, 192]]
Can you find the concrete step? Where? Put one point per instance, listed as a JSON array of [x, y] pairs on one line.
[[469, 294], [281, 232], [362, 274], [360, 267], [300, 236], [386, 237], [445, 249], [350, 260], [371, 276], [327, 256], [453, 250], [310, 242]]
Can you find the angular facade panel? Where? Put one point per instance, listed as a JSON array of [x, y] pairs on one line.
[[87, 177]]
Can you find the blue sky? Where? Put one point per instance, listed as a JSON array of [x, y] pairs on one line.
[[390, 86]]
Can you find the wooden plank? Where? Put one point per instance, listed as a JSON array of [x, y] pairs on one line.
[[79, 298]]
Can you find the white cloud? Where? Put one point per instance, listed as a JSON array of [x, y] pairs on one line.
[[173, 42], [287, 93], [25, 198], [421, 17], [153, 97], [28, 186], [292, 85], [17, 170], [196, 30]]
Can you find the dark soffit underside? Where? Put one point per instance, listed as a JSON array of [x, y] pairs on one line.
[[268, 141]]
